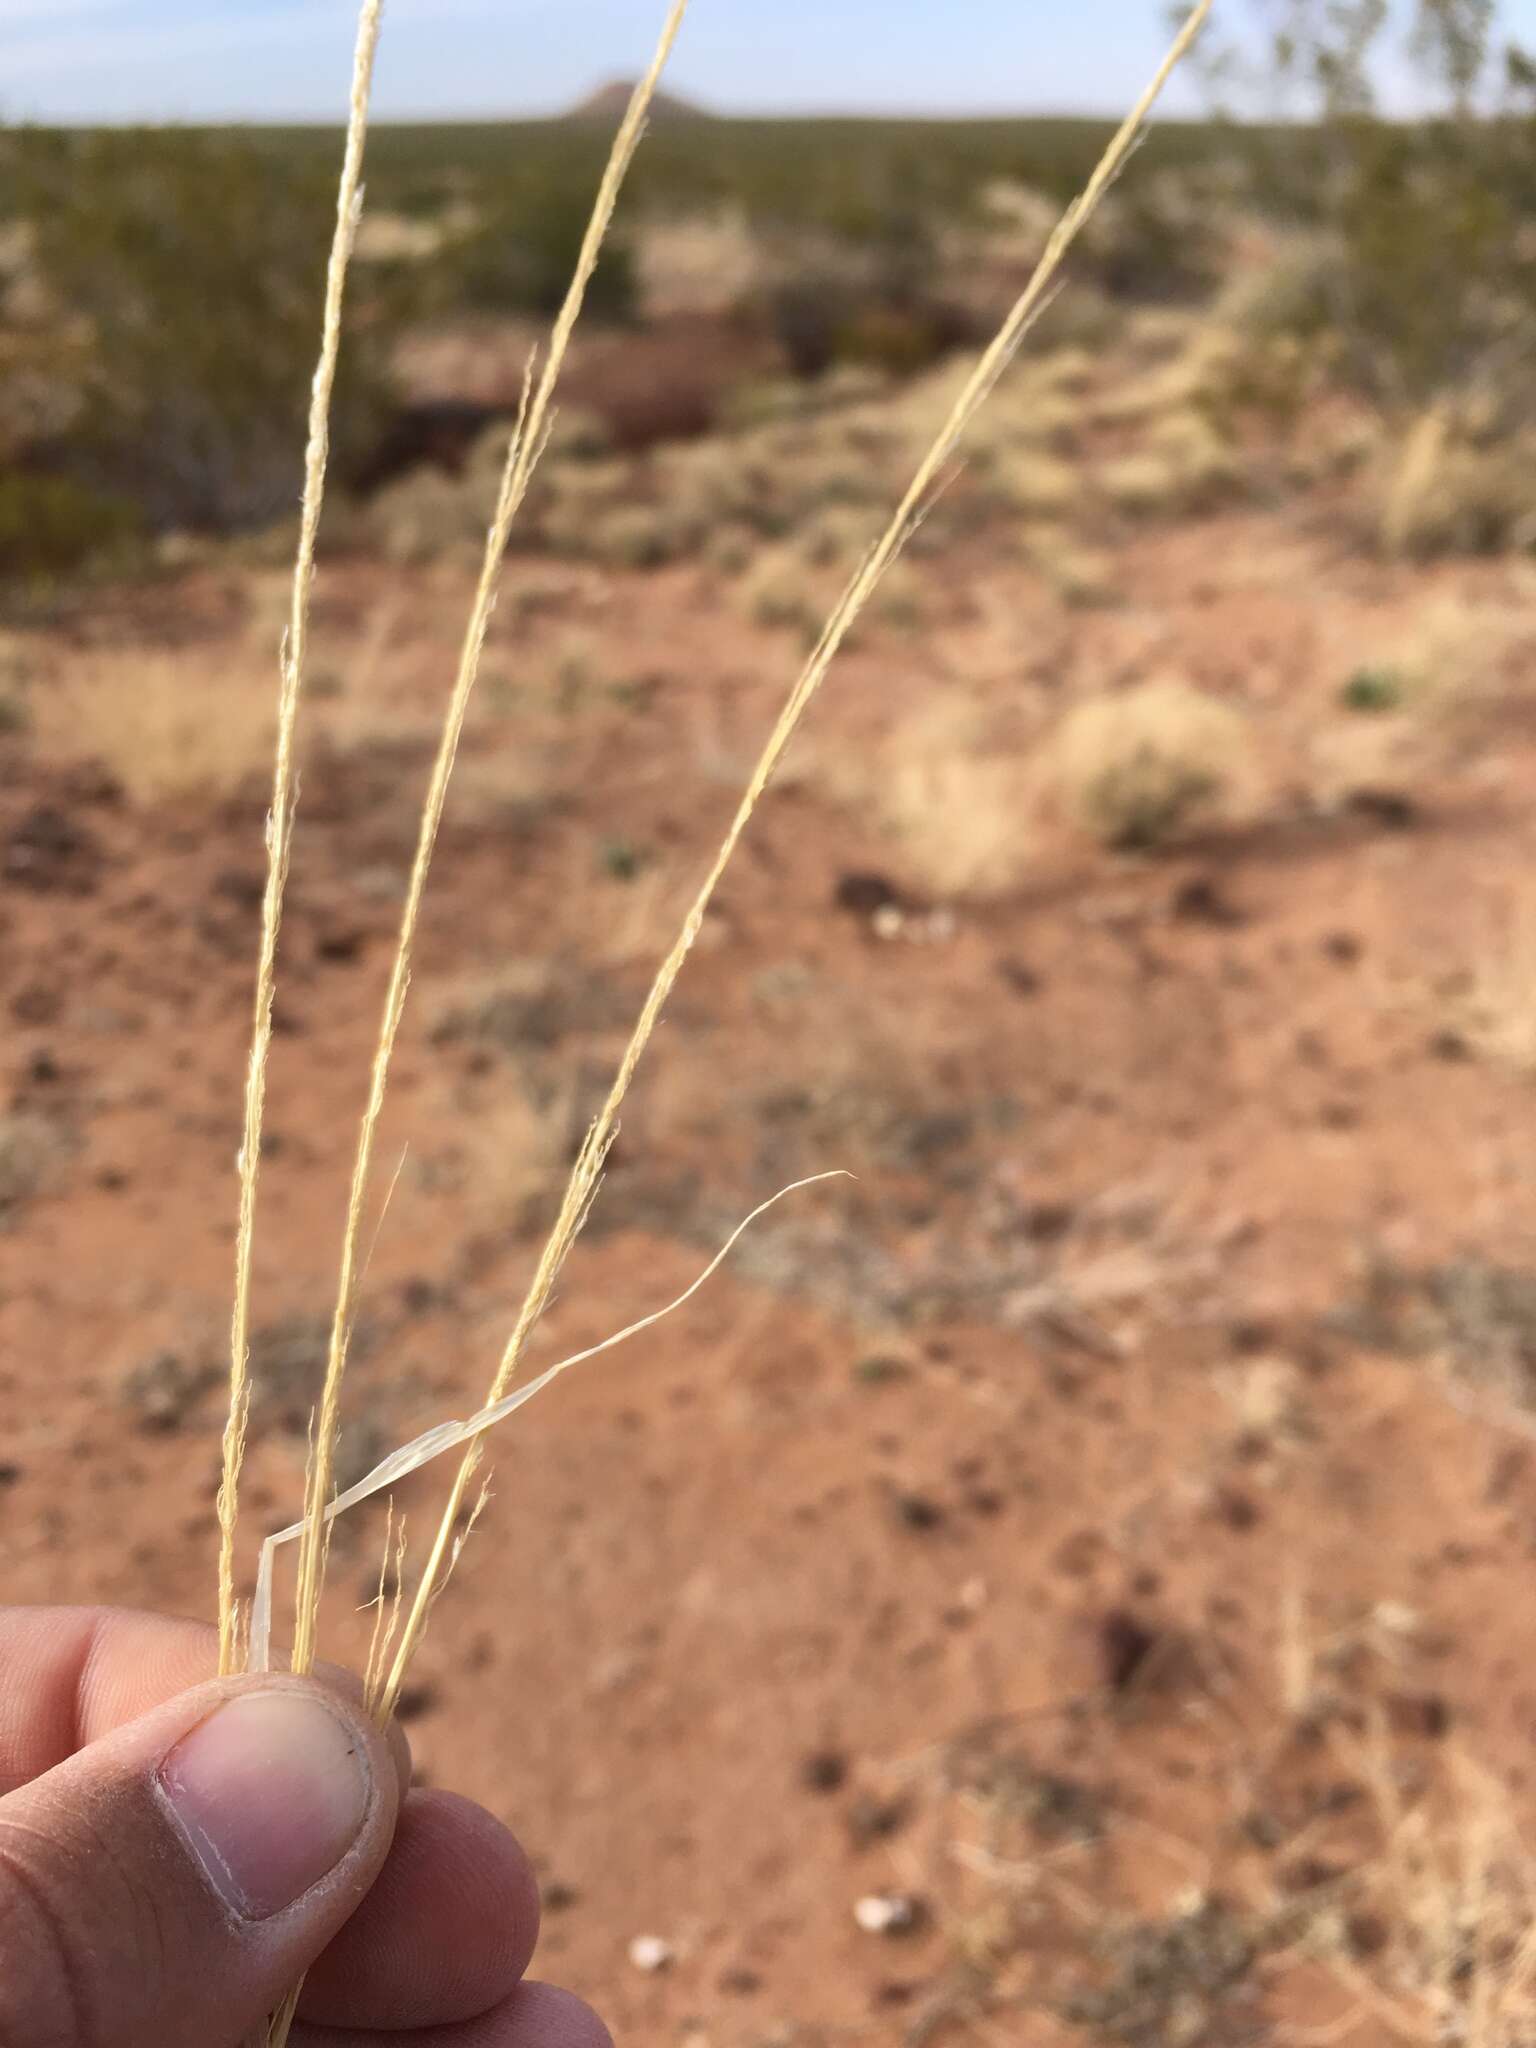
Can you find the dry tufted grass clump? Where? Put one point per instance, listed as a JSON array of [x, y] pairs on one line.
[[1492, 1007], [1442, 693], [954, 801], [427, 516], [505, 1150], [147, 720], [1141, 769], [1185, 467], [1035, 484], [31, 1148], [790, 585], [1080, 575], [959, 807], [1443, 488], [779, 591]]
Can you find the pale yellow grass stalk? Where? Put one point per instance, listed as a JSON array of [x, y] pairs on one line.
[[280, 821], [522, 456], [588, 1169]]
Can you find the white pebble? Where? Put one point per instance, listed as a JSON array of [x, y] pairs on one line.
[[885, 1913], [650, 1953]]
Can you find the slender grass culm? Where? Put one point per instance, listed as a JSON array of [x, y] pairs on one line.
[[280, 819], [398, 1640]]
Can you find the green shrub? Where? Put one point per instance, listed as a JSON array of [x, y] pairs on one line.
[[864, 296], [823, 318], [520, 253], [1440, 278], [52, 527], [1411, 262], [187, 269], [1155, 240], [899, 340], [31, 1149], [620, 859], [1374, 691]]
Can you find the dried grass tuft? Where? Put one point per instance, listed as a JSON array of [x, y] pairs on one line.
[[958, 805], [1494, 1011], [165, 731], [1141, 768], [1438, 696], [1444, 491], [31, 1148], [1186, 467]]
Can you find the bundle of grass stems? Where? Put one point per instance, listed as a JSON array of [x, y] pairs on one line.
[[245, 1632]]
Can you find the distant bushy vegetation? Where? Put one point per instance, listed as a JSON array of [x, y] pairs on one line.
[[884, 186], [841, 176], [173, 281], [51, 527], [521, 248], [1421, 279], [159, 289]]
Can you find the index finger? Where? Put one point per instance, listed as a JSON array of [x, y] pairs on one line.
[[69, 1675]]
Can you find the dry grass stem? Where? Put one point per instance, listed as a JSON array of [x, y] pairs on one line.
[[386, 1604], [280, 820], [587, 1172], [522, 457]]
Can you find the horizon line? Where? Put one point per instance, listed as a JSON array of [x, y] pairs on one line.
[[705, 116]]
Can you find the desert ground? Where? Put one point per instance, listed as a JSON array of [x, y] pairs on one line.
[[1063, 1580]]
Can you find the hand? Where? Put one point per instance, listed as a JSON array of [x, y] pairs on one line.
[[172, 1861]]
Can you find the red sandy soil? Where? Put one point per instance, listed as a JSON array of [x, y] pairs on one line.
[[1042, 1439]]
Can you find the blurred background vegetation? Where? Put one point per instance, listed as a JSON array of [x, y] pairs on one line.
[[157, 288]]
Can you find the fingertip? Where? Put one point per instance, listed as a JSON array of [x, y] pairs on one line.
[[446, 1932], [535, 2016], [543, 2016]]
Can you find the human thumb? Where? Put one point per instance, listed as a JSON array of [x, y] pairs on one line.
[[166, 1886]]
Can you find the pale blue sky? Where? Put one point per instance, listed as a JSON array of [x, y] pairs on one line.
[[288, 59], [277, 59]]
